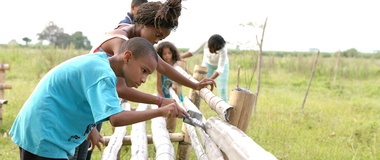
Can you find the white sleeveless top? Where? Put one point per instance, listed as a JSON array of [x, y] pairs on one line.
[[105, 38]]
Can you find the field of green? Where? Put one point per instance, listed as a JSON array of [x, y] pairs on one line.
[[340, 119]]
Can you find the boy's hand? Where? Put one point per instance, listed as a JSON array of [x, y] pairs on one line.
[[167, 101], [173, 110], [94, 137]]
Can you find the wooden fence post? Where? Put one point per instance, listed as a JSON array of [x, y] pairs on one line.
[[3, 85], [184, 147], [243, 102], [139, 140], [114, 143], [198, 74], [171, 123]]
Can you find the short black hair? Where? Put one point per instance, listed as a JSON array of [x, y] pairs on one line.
[[216, 41], [139, 47]]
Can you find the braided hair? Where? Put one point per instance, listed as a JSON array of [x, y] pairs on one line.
[[138, 2], [158, 14]]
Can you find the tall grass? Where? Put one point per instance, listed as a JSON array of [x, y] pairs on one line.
[[341, 119]]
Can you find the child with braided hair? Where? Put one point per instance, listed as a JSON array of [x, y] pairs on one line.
[[153, 21]]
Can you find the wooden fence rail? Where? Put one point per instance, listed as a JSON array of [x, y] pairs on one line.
[[220, 139]]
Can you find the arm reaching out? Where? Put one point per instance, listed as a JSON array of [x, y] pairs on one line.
[[174, 75], [186, 55], [130, 117]]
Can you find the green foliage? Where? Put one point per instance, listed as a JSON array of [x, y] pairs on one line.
[[26, 40], [341, 118], [56, 36], [350, 53], [52, 33], [80, 41]]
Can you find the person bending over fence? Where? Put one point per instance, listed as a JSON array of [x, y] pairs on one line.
[[215, 58], [71, 98]]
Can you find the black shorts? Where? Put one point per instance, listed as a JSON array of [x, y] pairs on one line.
[[25, 155]]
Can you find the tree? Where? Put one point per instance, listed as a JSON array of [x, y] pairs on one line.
[[13, 42], [63, 40], [55, 36], [80, 41], [26, 40], [350, 53], [52, 33]]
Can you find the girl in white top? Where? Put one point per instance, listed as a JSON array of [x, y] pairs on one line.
[[215, 58]]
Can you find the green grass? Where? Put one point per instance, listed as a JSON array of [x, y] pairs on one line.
[[341, 119]]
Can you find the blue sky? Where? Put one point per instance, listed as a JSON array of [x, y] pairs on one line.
[[293, 25]]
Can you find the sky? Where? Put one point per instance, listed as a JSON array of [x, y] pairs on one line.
[[292, 25]]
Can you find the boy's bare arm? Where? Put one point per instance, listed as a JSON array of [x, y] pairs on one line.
[[131, 117]]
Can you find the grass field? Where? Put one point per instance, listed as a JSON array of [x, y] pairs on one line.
[[340, 120]]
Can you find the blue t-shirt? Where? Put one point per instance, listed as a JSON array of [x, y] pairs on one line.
[[128, 19], [65, 105]]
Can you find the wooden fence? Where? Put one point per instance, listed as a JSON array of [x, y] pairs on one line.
[[3, 86], [220, 140]]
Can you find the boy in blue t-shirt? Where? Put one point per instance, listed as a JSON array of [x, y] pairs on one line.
[[80, 92]]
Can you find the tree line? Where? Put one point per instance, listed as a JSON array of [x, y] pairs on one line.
[[56, 37]]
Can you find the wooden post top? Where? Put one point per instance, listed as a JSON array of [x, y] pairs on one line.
[[4, 66], [3, 101], [5, 86]]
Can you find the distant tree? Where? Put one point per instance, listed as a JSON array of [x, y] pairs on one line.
[[52, 33], [350, 53], [80, 41], [55, 36], [26, 40], [13, 42], [63, 40]]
